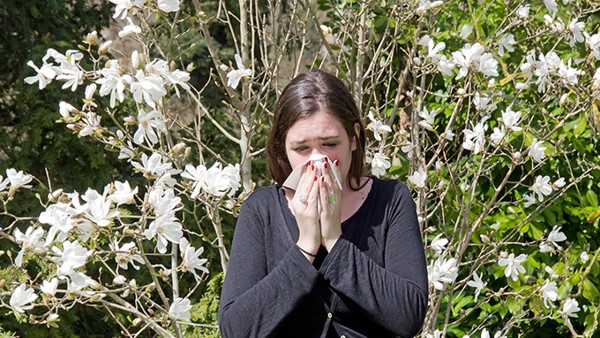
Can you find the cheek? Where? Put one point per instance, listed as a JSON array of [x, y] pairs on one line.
[[295, 159]]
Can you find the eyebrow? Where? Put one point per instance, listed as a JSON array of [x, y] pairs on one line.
[[322, 138]]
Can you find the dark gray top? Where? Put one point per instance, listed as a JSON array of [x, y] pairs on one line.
[[373, 283]]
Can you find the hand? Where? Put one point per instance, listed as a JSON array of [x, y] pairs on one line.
[[330, 196], [304, 208]]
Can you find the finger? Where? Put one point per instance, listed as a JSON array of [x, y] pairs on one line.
[[305, 184]]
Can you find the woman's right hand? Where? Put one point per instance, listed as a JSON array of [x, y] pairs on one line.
[[304, 207]]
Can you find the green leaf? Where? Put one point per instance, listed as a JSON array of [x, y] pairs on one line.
[[581, 126], [590, 291], [592, 198]]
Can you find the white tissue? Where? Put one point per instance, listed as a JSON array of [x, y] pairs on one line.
[[292, 181]]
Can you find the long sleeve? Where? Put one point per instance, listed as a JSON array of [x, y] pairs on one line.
[[393, 295], [254, 301]]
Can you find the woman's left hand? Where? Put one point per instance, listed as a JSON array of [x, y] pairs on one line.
[[330, 196]]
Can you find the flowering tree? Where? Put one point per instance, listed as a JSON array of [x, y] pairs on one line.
[[491, 118]]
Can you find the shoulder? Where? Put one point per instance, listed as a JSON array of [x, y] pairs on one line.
[[262, 198], [390, 188]]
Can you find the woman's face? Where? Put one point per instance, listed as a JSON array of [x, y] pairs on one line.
[[320, 133]]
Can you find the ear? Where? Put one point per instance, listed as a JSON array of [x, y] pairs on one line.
[[356, 136]]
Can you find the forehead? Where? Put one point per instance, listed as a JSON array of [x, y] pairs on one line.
[[318, 125]]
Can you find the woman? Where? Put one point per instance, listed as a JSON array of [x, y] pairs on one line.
[[324, 260]]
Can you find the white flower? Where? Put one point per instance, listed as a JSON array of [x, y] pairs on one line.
[[467, 57], [541, 187], [378, 126], [49, 288], [418, 178], [71, 74], [474, 139], [168, 6], [510, 119], [123, 6], [549, 292], [551, 272], [537, 151], [488, 66], [3, 183], [484, 104], [438, 244], [124, 255], [99, 212], [576, 29], [380, 163], [29, 241], [523, 11], [180, 309], [71, 257], [486, 334], [152, 166], [147, 88], [529, 200], [551, 6], [119, 280], [584, 257], [18, 179], [477, 283], [498, 135], [442, 271], [513, 265], [559, 183], [177, 77], [148, 123], [436, 334], [234, 76], [506, 42], [408, 148], [433, 49], [190, 257], [22, 298], [44, 75], [465, 31], [593, 43], [196, 174], [555, 236], [570, 308], [164, 201], [166, 228], [130, 29], [222, 181], [445, 65], [123, 193], [428, 118], [111, 82]]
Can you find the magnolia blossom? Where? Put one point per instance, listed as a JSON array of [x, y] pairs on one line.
[[49, 288], [380, 163], [132, 28], [147, 88], [510, 119], [234, 76], [378, 126], [112, 82], [537, 151], [513, 265], [428, 118], [549, 292], [593, 44], [484, 104], [523, 11], [43, 76], [559, 183], [152, 166], [3, 183], [122, 193], [442, 271], [488, 66], [22, 298], [190, 257], [529, 200], [164, 201], [576, 28], [570, 308], [498, 135], [445, 65], [123, 6], [477, 283], [551, 6], [506, 42], [18, 179], [124, 255], [436, 334], [551, 243], [29, 241], [168, 6], [148, 123], [584, 257], [71, 257], [425, 5], [166, 229], [467, 57], [474, 139], [486, 334], [438, 244], [180, 309], [223, 180], [541, 187], [418, 178]]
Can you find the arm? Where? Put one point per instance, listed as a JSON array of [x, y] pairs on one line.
[[254, 301], [394, 296]]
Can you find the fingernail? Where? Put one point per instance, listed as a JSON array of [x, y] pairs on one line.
[[336, 162], [308, 164], [316, 178], [312, 167], [322, 178], [325, 165]]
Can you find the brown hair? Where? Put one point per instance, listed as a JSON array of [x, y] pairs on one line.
[[304, 96]]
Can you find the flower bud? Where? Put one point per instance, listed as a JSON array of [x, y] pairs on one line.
[[485, 239], [224, 67], [66, 110], [178, 148], [104, 47], [190, 67], [90, 90], [417, 61], [137, 321], [135, 59], [130, 120], [119, 279], [91, 37], [522, 86], [461, 91], [584, 257]]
